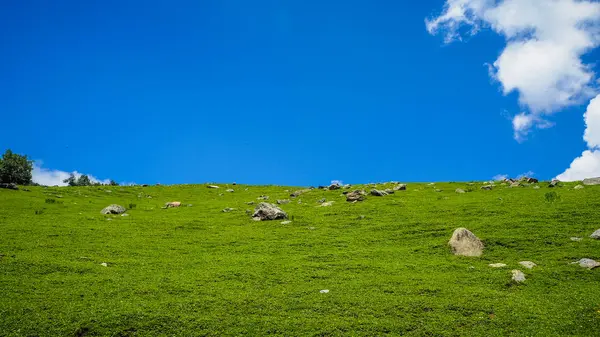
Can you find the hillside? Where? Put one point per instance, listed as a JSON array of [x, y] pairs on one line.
[[196, 270]]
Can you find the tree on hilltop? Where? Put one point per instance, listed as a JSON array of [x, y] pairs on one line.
[[15, 168]]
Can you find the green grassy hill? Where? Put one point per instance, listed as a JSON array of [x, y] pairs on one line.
[[194, 271]]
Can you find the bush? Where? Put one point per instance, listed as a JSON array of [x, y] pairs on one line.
[[552, 197], [15, 169], [50, 201], [132, 206]]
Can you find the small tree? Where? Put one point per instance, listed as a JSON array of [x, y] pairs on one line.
[[83, 180], [113, 183], [15, 169], [71, 181]]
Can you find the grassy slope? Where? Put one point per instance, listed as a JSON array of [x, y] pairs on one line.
[[198, 271]]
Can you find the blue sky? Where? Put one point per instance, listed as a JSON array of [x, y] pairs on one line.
[[271, 92]]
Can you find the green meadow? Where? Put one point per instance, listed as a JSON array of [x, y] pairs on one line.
[[198, 271]]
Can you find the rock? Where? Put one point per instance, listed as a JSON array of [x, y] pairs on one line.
[[212, 186], [517, 275], [573, 238], [460, 191], [532, 180], [400, 187], [591, 181], [497, 265], [322, 187], [389, 191], [430, 184], [515, 184], [578, 187], [263, 197], [553, 183], [320, 201], [536, 187], [347, 186], [113, 209], [596, 235], [325, 204], [378, 193], [189, 205], [286, 222], [124, 214], [266, 211], [587, 263], [283, 202], [298, 193], [230, 190], [9, 186], [104, 264], [144, 185], [173, 204], [355, 196], [465, 243], [250, 203], [527, 264], [335, 186], [228, 209], [486, 187], [234, 183], [324, 291], [438, 190]]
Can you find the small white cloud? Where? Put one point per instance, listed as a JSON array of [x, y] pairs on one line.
[[545, 40], [337, 182], [48, 177], [528, 174], [588, 164], [499, 177]]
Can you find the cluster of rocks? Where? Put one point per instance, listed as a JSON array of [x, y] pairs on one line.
[[9, 186]]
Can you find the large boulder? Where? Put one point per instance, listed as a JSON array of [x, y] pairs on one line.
[[554, 183], [334, 186], [378, 193], [354, 196], [486, 187], [517, 276], [9, 186], [113, 209], [587, 263], [266, 211], [591, 181], [400, 187], [465, 243], [173, 204], [596, 235]]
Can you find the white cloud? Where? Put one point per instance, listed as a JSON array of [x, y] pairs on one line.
[[47, 177], [499, 177], [588, 164], [338, 182], [527, 174], [545, 40]]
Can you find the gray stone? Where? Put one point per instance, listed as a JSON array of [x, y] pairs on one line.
[[378, 193], [553, 183], [527, 264], [298, 193], [326, 204], [354, 196], [578, 187], [517, 276], [173, 204], [438, 190], [320, 201], [389, 191], [497, 265], [574, 238], [591, 181], [465, 243], [283, 202], [9, 186], [486, 187], [113, 209], [228, 209], [596, 235], [400, 187], [266, 211], [587, 263], [250, 203], [263, 197], [460, 191], [212, 186], [515, 184], [286, 222], [536, 187], [335, 186], [230, 190]]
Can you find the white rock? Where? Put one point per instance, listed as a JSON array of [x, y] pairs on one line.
[[104, 264], [574, 238], [464, 242], [286, 222], [497, 265], [212, 186], [578, 187], [325, 204], [517, 275], [324, 291], [596, 235], [124, 214], [528, 264], [587, 263]]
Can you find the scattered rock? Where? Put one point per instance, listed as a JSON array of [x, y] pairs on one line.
[[578, 187], [324, 291], [228, 209], [378, 193], [430, 184], [124, 214], [355, 196], [173, 204], [360, 217], [438, 190], [189, 205], [486, 187], [335, 186], [596, 235], [9, 186], [460, 191], [320, 201], [212, 186], [104, 264], [322, 187], [517, 276], [587, 263], [573, 238], [283, 202], [497, 265], [230, 190], [532, 180], [286, 222], [144, 185], [263, 197], [347, 186], [527, 264], [113, 209], [553, 183], [464, 242], [389, 191], [266, 211], [325, 204], [400, 187], [536, 187], [250, 203], [515, 184], [297, 193], [591, 181]]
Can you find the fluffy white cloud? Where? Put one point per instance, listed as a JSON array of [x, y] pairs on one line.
[[47, 177], [499, 177], [588, 164], [545, 40]]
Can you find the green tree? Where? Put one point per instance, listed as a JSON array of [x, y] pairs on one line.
[[15, 168], [113, 183], [71, 181], [84, 180]]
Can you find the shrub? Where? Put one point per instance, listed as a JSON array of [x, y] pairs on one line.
[[50, 201], [132, 206], [552, 197]]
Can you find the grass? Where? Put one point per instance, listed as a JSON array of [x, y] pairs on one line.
[[196, 271]]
